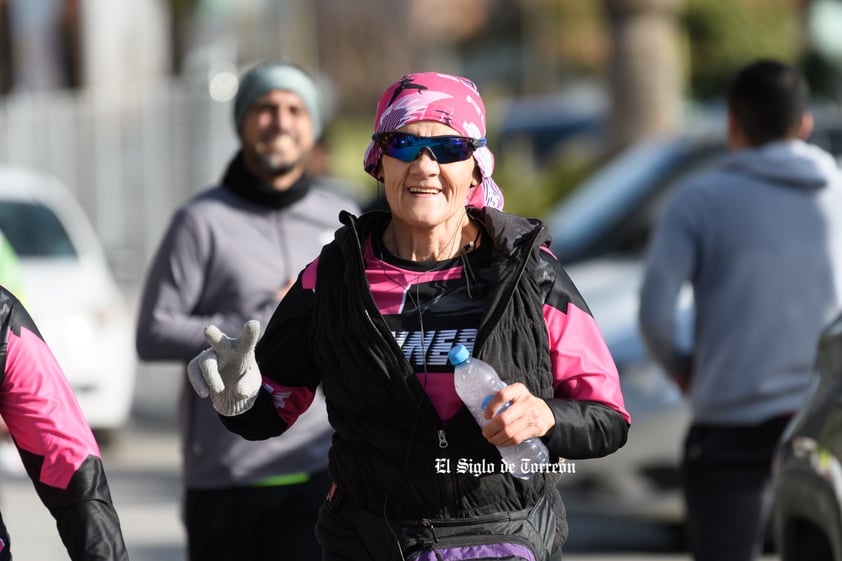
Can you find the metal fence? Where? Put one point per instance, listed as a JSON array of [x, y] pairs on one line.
[[130, 159]]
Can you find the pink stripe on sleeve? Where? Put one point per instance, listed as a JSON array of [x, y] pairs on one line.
[[41, 410], [582, 365], [308, 277], [290, 401]]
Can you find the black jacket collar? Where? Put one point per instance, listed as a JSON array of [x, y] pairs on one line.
[[241, 181]]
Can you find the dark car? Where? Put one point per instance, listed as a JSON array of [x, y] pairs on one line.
[[543, 127], [808, 471], [614, 211]]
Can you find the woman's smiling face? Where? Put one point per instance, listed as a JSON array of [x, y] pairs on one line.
[[424, 193]]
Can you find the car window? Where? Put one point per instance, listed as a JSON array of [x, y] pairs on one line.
[[615, 210], [630, 236], [34, 230], [828, 137]]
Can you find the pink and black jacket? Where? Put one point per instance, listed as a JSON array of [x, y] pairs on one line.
[[534, 328], [54, 440]]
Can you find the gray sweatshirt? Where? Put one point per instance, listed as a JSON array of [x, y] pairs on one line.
[[760, 241], [222, 261]]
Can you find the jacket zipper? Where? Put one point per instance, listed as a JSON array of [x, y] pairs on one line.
[[449, 479], [449, 484]]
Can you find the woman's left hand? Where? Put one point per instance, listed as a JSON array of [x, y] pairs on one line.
[[526, 417]]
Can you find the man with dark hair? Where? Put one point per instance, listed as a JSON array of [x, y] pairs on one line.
[[760, 241], [768, 100], [230, 255]]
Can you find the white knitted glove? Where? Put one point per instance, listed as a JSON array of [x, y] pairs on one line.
[[227, 372]]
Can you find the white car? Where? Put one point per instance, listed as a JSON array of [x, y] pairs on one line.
[[69, 290]]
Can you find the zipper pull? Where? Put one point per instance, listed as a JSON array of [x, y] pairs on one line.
[[442, 439]]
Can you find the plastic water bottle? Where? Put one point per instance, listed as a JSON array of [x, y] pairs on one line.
[[477, 382]]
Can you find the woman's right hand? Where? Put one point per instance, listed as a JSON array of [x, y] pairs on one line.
[[227, 372]]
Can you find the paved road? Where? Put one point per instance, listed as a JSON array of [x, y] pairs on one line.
[[143, 474], [143, 470]]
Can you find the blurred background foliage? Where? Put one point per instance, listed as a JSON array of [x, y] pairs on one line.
[[722, 36], [716, 38], [642, 67], [565, 42]]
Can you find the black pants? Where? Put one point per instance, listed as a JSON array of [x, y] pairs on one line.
[[727, 488], [255, 523], [5, 542]]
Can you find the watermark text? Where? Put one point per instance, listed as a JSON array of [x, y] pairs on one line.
[[485, 467]]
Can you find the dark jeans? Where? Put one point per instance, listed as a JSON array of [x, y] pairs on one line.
[[727, 488], [255, 523]]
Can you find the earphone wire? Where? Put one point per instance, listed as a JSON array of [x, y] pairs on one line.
[[416, 302], [466, 262]]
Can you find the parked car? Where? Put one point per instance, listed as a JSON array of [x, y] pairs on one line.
[[543, 127], [69, 290], [613, 212], [808, 466], [600, 233]]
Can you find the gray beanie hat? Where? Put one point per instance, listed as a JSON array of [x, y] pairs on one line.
[[268, 76]]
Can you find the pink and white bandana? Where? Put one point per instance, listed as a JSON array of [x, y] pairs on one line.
[[448, 99]]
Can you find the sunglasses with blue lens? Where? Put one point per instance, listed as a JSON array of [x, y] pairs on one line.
[[445, 149]]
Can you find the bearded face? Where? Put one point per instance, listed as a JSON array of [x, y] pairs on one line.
[[277, 135]]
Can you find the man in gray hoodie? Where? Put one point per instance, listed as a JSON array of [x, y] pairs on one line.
[[228, 256], [760, 241]]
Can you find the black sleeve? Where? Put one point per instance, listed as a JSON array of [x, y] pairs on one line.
[[85, 517], [285, 362], [585, 429], [258, 423]]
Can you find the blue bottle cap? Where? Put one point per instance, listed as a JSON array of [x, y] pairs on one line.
[[458, 355]]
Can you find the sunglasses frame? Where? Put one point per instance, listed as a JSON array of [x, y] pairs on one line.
[[432, 143]]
